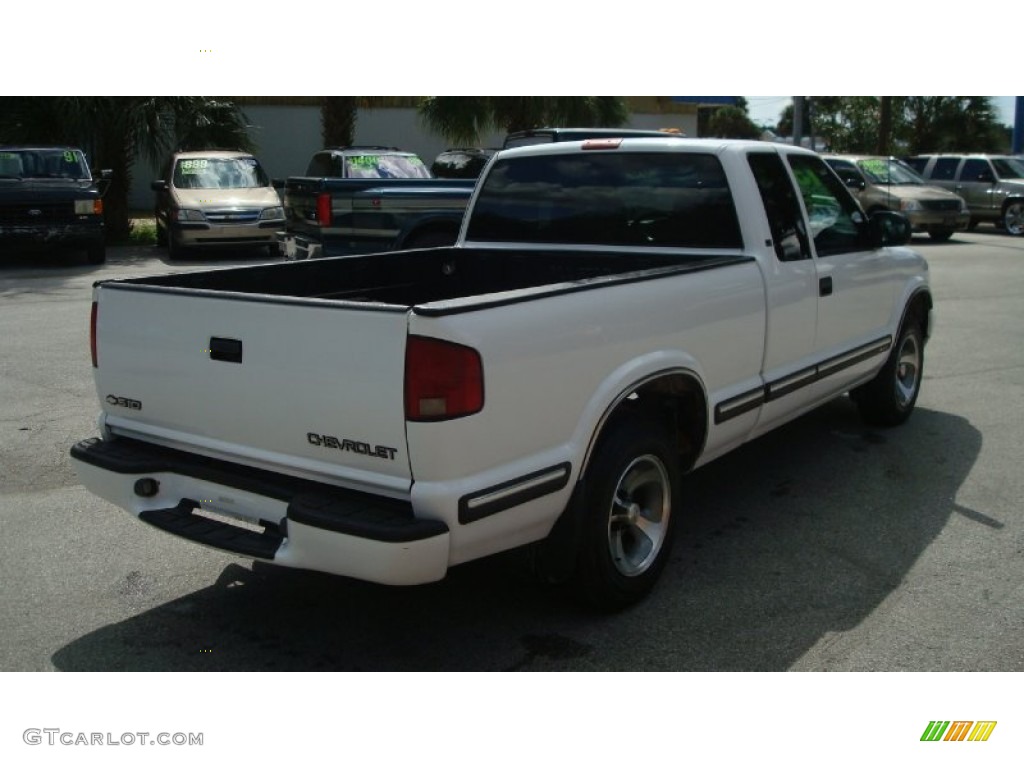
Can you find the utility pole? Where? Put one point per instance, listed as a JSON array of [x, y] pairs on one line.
[[798, 120], [1018, 125], [884, 125]]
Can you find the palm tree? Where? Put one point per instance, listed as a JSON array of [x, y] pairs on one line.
[[464, 119], [115, 130]]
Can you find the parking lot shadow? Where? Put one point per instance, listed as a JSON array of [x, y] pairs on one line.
[[802, 533]]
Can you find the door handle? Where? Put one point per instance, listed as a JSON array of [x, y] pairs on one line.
[[825, 286], [226, 350]]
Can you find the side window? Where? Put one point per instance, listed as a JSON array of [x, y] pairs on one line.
[[789, 235], [945, 168], [319, 165], [976, 169], [832, 213], [917, 163]]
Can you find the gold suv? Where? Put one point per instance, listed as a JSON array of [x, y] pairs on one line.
[[216, 198], [887, 184]]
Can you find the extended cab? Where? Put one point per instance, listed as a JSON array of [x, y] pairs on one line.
[[356, 200], [49, 200], [616, 312]]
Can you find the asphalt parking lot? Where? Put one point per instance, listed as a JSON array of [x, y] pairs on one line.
[[823, 546]]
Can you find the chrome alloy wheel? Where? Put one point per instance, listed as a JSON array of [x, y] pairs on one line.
[[1013, 218], [638, 523], [908, 370]]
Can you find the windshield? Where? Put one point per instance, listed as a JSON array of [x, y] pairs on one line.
[[43, 164], [385, 167], [219, 173], [887, 170], [1009, 167]]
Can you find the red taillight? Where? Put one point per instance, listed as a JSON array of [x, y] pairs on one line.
[[92, 334], [323, 209], [442, 380]]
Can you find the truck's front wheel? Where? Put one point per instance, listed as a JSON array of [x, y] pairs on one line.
[[631, 490], [889, 398]]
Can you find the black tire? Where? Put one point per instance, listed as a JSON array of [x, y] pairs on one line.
[[174, 251], [1012, 218], [972, 225], [631, 497], [889, 398], [940, 235], [96, 254], [433, 238], [274, 251]]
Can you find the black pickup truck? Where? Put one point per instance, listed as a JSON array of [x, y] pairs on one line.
[[50, 200], [356, 200]]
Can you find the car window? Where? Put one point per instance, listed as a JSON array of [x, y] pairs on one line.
[[945, 168], [678, 200], [832, 212], [320, 165], [917, 163], [1008, 167], [219, 173], [976, 169], [789, 235], [385, 166], [43, 164], [888, 171]]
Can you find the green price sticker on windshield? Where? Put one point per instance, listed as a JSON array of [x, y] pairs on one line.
[[193, 166], [364, 161], [69, 157]]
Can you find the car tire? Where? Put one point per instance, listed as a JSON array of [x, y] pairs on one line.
[[940, 235], [1012, 218], [889, 398], [631, 496], [96, 254], [174, 251]]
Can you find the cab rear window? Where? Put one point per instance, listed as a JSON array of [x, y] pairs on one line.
[[655, 199]]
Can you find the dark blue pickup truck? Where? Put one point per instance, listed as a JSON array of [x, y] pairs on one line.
[[49, 200], [356, 200]]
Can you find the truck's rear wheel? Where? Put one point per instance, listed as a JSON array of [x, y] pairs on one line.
[[631, 490], [889, 398]]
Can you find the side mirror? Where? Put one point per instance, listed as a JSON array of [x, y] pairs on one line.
[[159, 186], [889, 228], [855, 183]]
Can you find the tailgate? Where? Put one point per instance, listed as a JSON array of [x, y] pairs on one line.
[[311, 388]]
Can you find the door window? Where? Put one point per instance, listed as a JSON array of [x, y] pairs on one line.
[[945, 168], [789, 235], [832, 213], [976, 169]]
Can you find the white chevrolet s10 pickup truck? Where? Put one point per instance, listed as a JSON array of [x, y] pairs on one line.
[[616, 312]]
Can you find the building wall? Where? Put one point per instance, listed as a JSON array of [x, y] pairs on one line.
[[286, 136]]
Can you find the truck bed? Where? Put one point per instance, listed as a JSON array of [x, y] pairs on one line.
[[434, 281]]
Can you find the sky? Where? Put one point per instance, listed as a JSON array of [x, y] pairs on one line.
[[765, 110]]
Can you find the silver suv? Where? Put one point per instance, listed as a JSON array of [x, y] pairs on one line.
[[886, 184], [216, 198], [992, 185]]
